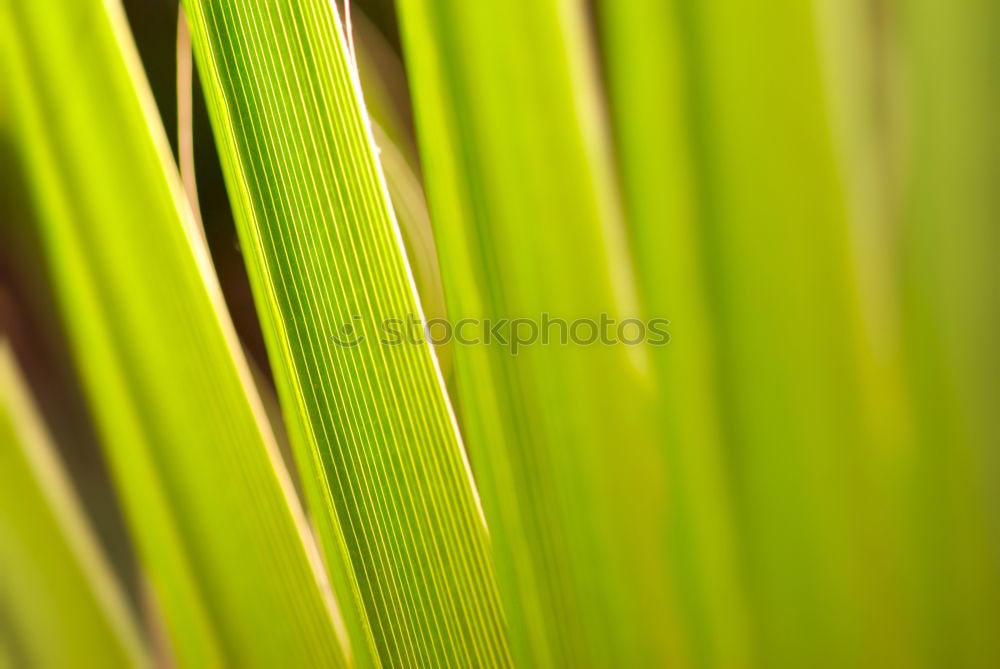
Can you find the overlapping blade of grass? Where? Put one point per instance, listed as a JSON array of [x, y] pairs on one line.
[[373, 433], [383, 81], [410, 207], [562, 437], [648, 90], [189, 452], [59, 602]]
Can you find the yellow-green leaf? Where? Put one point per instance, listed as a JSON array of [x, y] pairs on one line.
[[60, 604], [562, 436], [205, 497], [373, 433]]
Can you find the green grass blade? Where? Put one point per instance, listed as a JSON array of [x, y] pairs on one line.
[[410, 206], [59, 602], [562, 437], [202, 487], [372, 430], [383, 82]]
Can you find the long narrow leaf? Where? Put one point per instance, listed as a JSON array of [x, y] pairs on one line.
[[561, 435], [195, 463], [59, 602], [372, 430]]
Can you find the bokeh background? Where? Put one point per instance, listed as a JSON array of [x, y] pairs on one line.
[[816, 194]]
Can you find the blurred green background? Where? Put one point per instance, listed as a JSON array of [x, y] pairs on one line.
[[806, 190]]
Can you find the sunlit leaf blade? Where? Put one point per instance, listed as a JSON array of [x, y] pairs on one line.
[[372, 430], [204, 495], [383, 82], [59, 603], [562, 437]]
